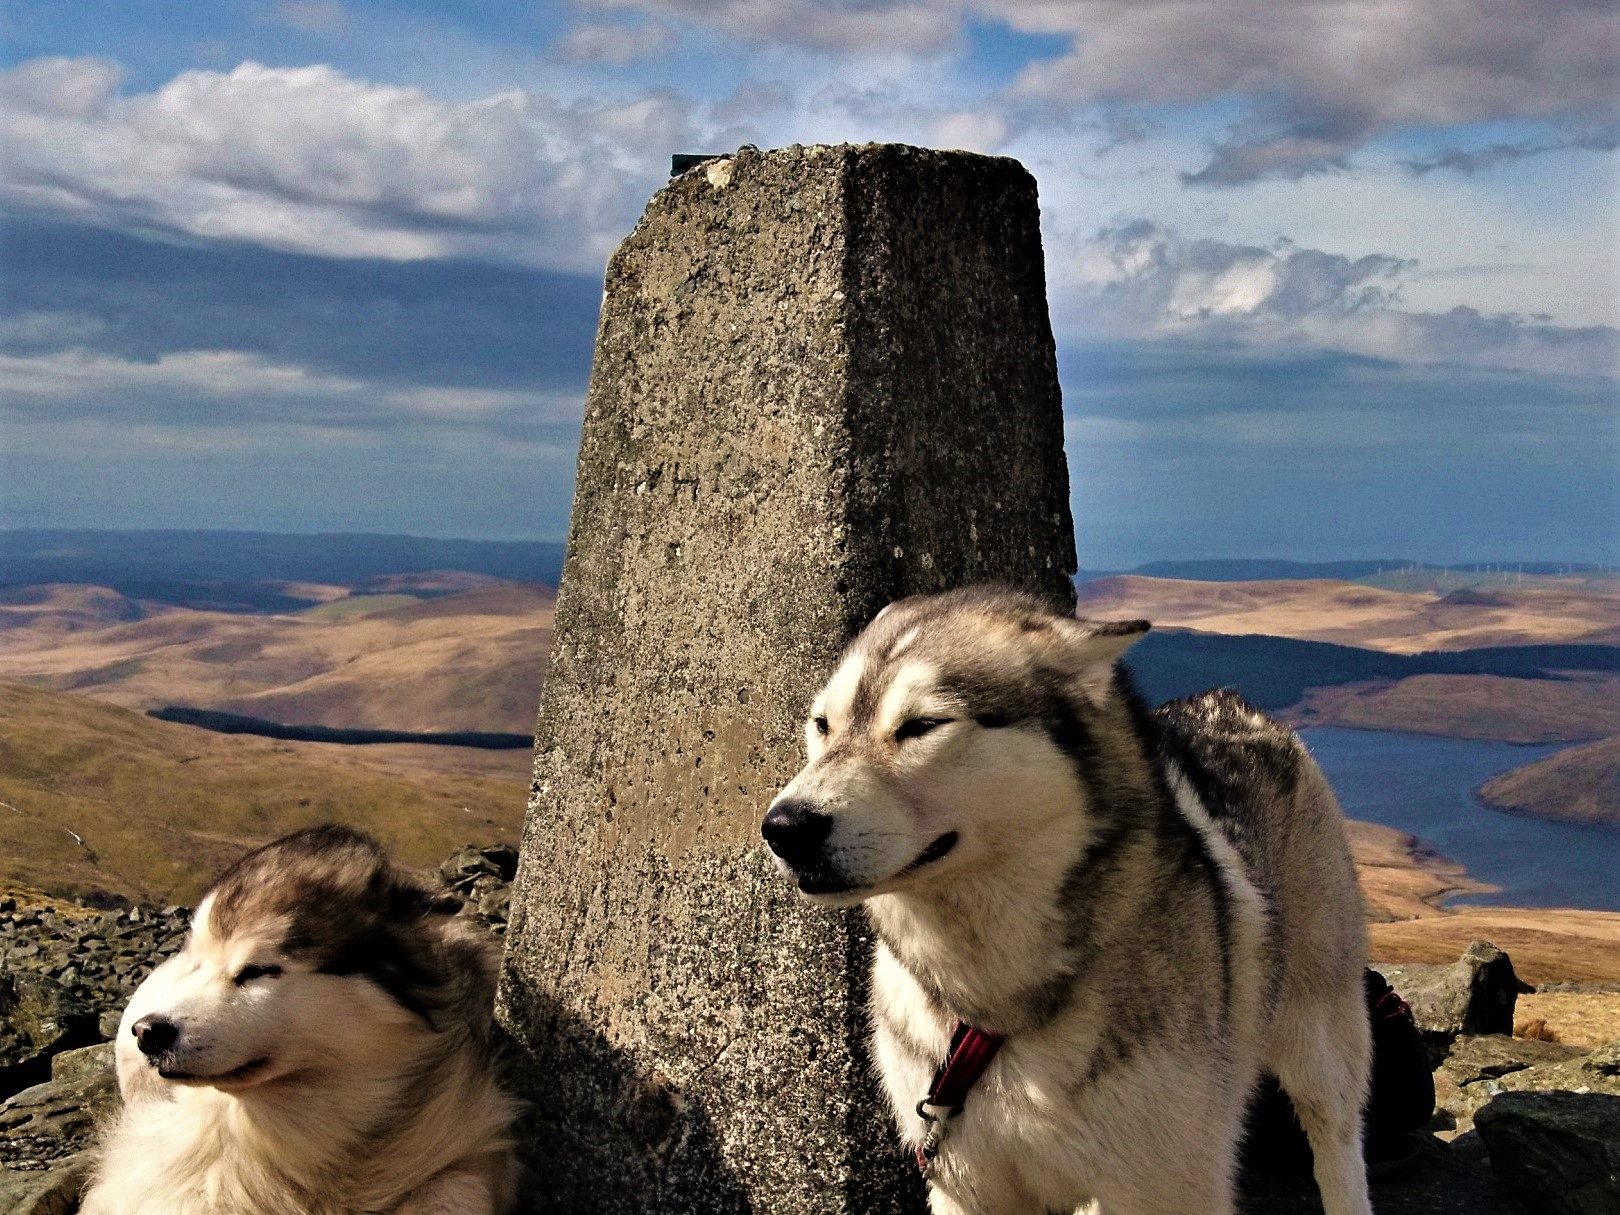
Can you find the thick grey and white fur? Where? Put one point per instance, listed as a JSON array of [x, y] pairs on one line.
[[1152, 905], [321, 1046]]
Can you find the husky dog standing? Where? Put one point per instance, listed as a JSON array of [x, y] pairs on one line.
[[1097, 923], [320, 1047]]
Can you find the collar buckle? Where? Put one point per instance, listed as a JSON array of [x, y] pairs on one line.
[[970, 1055]]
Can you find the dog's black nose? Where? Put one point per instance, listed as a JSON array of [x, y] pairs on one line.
[[154, 1035], [796, 832]]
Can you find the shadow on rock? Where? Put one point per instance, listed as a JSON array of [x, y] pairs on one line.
[[585, 1100], [1558, 1151], [1445, 1179]]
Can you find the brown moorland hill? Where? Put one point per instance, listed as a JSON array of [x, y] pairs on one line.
[[1580, 785], [1405, 885], [1577, 709], [1350, 613], [56, 609], [99, 798], [430, 582], [469, 661]]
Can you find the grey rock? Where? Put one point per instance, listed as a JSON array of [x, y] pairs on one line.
[[1446, 1179], [1558, 1151], [38, 1018], [51, 1191], [1490, 1056], [90, 1063], [1467, 1078], [1597, 1072], [51, 1122], [97, 957], [824, 379], [1474, 995]]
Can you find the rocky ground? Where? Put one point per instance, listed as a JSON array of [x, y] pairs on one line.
[[1523, 1126]]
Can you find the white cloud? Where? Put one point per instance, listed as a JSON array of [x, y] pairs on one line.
[[312, 160], [47, 329], [1319, 79], [312, 16], [1141, 280], [616, 45], [1324, 78], [236, 390], [851, 26]]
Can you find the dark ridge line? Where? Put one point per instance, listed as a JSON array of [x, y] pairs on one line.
[[236, 723]]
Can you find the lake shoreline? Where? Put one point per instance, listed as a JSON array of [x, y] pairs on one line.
[[1408, 887]]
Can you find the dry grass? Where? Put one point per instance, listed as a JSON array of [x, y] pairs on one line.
[[471, 661], [1351, 613], [1548, 945], [101, 798], [1580, 785], [1403, 885], [1472, 706], [1585, 1019], [1400, 878]]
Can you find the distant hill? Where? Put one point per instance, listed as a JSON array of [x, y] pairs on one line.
[[60, 609], [1352, 613], [1275, 672], [1411, 575], [1580, 785], [97, 798], [1472, 706], [236, 723], [186, 566], [467, 661], [1261, 569]]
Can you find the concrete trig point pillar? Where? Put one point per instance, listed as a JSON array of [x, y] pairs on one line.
[[824, 379]]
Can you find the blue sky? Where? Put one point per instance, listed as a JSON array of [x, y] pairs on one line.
[[1328, 279]]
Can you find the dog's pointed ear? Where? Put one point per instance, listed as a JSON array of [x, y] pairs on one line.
[[1089, 644], [1108, 640], [1090, 648], [1094, 650]]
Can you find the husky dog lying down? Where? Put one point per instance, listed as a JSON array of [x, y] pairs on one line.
[[1097, 923], [320, 1047]]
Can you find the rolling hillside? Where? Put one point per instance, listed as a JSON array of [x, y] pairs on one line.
[[472, 660], [60, 609], [180, 565], [95, 798], [1357, 686], [1350, 613], [1472, 706], [1580, 785]]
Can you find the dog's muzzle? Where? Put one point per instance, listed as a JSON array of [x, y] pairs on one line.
[[155, 1035], [797, 833]]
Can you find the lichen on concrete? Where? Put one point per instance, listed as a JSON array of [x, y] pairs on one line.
[[824, 378]]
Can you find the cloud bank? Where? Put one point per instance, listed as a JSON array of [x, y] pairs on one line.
[[1315, 81], [315, 161], [1139, 279]]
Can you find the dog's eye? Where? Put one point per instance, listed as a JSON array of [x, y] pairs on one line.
[[248, 973], [916, 727], [820, 724]]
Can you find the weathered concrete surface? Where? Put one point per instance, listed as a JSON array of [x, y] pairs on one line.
[[824, 379]]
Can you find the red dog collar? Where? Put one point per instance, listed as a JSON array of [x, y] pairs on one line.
[[970, 1054]]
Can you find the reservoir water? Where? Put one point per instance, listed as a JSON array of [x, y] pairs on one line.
[[1425, 785]]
